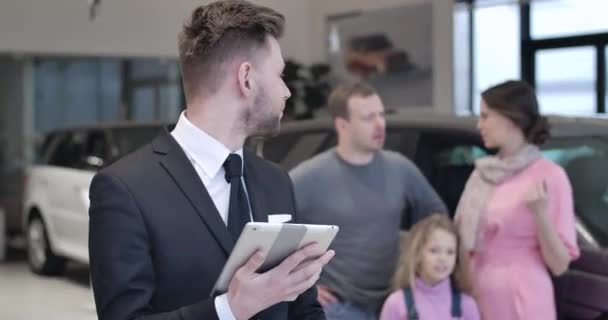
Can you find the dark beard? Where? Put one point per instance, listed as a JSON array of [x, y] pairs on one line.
[[259, 121]]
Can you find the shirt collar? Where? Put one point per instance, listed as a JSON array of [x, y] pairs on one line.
[[205, 150], [438, 289]]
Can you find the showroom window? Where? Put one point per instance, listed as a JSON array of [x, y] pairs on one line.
[[72, 91], [562, 18], [559, 46]]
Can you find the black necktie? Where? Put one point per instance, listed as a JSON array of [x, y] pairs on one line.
[[238, 209]]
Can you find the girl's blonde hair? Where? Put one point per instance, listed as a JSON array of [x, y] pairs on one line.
[[417, 239]]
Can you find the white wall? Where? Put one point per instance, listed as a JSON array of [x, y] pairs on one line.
[[122, 27], [133, 27], [150, 27], [442, 38]]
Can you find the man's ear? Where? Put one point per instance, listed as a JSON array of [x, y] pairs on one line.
[[339, 123], [245, 79]]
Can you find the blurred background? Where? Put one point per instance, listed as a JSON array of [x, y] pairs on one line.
[[84, 82]]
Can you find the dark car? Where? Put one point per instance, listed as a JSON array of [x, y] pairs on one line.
[[445, 147]]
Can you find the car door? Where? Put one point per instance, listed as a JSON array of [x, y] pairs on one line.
[[582, 293], [52, 183], [67, 178], [95, 155]]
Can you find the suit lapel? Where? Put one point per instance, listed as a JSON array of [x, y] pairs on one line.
[[177, 164], [254, 183]]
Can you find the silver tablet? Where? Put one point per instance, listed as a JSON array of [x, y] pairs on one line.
[[279, 240]]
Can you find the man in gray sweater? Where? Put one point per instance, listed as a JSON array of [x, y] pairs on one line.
[[364, 190]]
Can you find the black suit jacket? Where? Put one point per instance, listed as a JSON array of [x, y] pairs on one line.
[[157, 242]]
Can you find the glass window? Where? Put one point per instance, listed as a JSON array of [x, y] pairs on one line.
[[149, 68], [144, 104], [397, 139], [44, 148], [305, 148], [126, 140], [155, 90], [80, 90], [95, 151], [48, 98], [447, 158], [76, 91], [462, 155], [69, 150], [452, 167], [496, 47], [559, 18], [275, 149], [401, 140], [584, 160], [292, 148], [462, 68], [110, 86], [169, 96], [565, 80]]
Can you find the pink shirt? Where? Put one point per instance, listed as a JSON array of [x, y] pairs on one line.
[[510, 275], [432, 303]]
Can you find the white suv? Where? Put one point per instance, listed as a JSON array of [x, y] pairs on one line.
[[56, 200]]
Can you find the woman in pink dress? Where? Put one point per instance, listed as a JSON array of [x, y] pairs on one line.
[[516, 214]]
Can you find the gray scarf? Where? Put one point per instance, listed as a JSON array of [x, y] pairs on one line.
[[489, 171]]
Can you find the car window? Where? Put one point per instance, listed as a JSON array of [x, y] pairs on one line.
[[43, 149], [452, 168], [127, 140], [304, 148], [290, 149], [401, 140], [276, 148], [68, 150], [585, 161], [447, 159], [95, 151], [460, 155]]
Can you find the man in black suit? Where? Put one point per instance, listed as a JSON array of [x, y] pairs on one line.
[[164, 219]]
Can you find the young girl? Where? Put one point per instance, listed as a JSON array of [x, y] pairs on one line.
[[433, 280]]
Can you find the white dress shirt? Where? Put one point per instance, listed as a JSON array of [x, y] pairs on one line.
[[208, 155]]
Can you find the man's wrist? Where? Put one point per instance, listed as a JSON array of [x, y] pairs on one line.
[[236, 308]]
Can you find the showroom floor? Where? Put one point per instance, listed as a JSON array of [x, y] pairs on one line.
[[26, 296]]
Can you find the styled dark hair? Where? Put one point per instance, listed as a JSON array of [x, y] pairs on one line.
[[338, 99], [517, 101], [219, 32]]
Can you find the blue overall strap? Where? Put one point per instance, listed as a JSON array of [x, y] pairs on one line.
[[412, 314], [456, 303]]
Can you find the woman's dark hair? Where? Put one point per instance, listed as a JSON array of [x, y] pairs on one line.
[[517, 101]]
